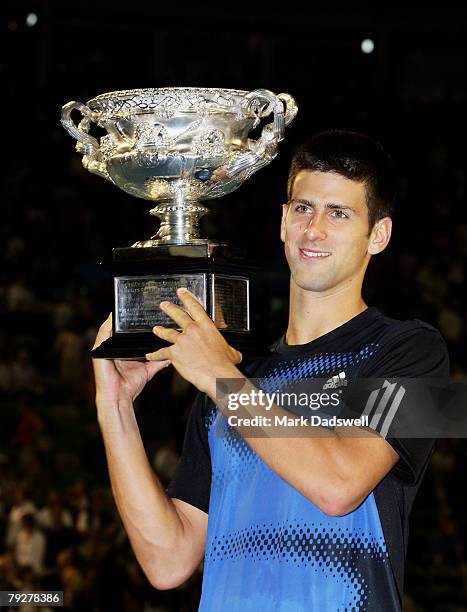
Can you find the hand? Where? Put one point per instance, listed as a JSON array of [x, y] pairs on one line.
[[199, 352], [118, 380]]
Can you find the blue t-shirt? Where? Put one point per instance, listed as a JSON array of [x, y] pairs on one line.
[[268, 547]]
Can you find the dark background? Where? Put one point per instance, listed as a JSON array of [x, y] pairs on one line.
[[57, 221]]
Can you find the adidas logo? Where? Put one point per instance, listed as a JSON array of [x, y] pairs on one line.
[[338, 380]]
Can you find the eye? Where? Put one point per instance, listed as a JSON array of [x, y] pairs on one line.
[[339, 214], [302, 208]]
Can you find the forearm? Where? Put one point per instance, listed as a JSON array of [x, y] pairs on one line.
[[159, 535], [317, 464]]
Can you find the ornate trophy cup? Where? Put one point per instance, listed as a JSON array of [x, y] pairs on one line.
[[177, 147]]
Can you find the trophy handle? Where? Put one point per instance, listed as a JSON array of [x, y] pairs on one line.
[[87, 145], [261, 102], [291, 108]]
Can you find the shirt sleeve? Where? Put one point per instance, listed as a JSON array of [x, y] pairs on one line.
[[192, 480], [416, 351]]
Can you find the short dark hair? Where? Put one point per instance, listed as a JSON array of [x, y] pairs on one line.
[[355, 156]]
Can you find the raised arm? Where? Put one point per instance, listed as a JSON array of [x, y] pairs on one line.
[[167, 535]]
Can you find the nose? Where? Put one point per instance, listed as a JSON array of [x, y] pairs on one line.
[[314, 229]]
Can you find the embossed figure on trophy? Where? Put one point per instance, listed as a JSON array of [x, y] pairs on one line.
[[152, 135]]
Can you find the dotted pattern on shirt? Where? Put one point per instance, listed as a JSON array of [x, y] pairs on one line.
[[327, 549]]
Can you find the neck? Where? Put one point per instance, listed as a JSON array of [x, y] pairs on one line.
[[313, 314]]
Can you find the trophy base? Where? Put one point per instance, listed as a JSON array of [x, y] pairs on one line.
[[143, 277], [134, 347]]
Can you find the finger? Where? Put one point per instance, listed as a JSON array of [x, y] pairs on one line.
[[192, 304], [105, 331], [160, 355], [177, 314], [166, 333]]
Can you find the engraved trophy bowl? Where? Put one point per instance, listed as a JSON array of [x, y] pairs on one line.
[[177, 147]]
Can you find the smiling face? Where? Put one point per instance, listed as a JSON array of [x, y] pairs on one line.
[[326, 233]]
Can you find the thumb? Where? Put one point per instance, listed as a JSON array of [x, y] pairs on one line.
[[152, 367]]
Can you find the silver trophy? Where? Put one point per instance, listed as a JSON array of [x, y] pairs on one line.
[[177, 146]]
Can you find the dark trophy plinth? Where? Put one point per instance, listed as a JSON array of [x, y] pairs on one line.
[[218, 275], [177, 147]]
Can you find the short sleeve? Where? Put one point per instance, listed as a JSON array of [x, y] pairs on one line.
[[416, 351], [192, 480]]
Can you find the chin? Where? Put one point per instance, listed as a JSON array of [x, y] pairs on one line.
[[315, 284]]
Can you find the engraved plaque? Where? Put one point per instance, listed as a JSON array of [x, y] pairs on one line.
[[137, 299], [230, 299]]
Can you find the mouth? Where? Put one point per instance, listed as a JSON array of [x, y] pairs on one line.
[[314, 254]]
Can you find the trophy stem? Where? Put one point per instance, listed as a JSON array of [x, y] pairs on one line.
[[179, 224]]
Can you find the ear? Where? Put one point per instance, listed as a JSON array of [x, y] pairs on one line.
[[285, 210], [380, 236]]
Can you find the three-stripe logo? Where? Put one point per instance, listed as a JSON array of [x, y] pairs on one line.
[[381, 412]]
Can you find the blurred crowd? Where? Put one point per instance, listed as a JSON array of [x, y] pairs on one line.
[[72, 541]]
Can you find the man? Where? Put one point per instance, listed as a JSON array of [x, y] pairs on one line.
[[284, 523]]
